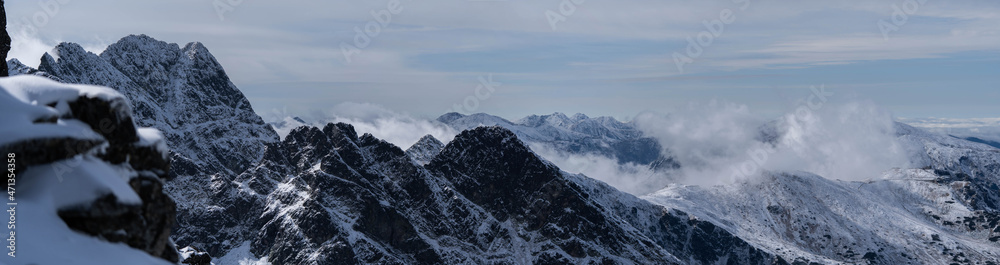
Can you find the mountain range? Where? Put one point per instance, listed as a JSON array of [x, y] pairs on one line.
[[323, 194]]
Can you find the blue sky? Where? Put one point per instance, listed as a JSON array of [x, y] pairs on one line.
[[605, 58]]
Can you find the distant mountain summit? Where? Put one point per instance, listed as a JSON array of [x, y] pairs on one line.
[[579, 134]]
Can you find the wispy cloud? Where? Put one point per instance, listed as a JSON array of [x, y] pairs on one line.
[[264, 43]]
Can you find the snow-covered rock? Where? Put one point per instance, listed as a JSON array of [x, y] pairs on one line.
[[83, 187]]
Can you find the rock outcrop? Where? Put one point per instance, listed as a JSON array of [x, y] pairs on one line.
[[4, 39], [74, 133]]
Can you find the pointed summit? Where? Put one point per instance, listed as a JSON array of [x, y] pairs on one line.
[[189, 98], [425, 149]]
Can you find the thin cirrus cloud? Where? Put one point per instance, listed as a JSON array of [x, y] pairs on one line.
[[435, 50]]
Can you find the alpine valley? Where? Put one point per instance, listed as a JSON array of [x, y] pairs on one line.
[[321, 193]]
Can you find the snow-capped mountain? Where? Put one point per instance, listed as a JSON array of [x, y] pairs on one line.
[[577, 134], [212, 131], [184, 92], [944, 210]]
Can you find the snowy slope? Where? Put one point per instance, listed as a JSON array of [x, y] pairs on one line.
[[945, 211]]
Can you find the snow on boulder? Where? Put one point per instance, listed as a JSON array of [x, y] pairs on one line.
[[86, 183]]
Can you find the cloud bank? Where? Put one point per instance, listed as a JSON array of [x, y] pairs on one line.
[[400, 129], [628, 177], [719, 143], [715, 143]]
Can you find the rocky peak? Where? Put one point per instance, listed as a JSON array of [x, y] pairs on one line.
[[425, 149], [557, 119], [144, 60], [493, 168], [162, 86], [492, 146], [16, 67]]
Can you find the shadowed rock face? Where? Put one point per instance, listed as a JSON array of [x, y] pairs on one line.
[[329, 195], [4, 39]]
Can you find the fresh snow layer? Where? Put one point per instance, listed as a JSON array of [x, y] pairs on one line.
[[24, 100], [153, 137], [800, 214], [240, 256], [42, 190], [44, 239]]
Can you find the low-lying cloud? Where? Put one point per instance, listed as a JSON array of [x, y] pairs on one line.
[[715, 143], [627, 177], [400, 129], [719, 143]]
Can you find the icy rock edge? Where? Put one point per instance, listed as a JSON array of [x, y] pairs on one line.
[[89, 183]]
